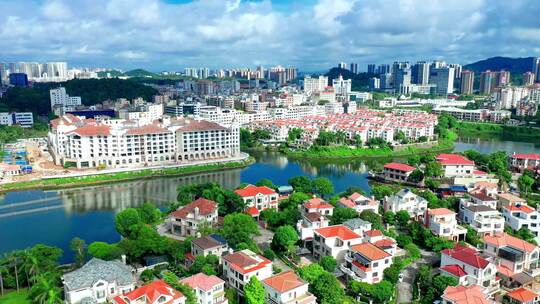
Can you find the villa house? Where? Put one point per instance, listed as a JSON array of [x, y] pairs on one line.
[[397, 172], [98, 281], [334, 241], [153, 293], [287, 288], [482, 219], [513, 255], [208, 289], [359, 203], [406, 200], [366, 262], [309, 222], [259, 197], [470, 267], [521, 296], [187, 219], [316, 204], [465, 295], [442, 222], [520, 162], [506, 199], [239, 267], [455, 165], [211, 244], [522, 216]]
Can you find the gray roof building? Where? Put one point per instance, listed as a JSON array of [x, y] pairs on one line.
[[96, 270]]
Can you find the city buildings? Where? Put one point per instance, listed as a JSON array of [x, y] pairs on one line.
[[467, 82], [155, 292], [287, 288], [39, 72], [88, 143], [474, 115], [239, 267], [23, 119], [536, 68], [420, 73], [406, 200], [371, 68], [529, 78], [443, 78], [61, 102], [342, 86], [98, 281], [187, 220], [354, 68], [18, 80], [207, 288]]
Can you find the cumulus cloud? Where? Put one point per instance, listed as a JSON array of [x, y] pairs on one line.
[[158, 34]]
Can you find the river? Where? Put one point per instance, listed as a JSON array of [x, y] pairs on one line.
[[55, 217]]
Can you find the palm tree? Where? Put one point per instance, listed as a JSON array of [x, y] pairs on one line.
[[46, 290], [30, 266], [13, 261]]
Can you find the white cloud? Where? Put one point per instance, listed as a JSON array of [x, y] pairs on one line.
[[217, 33]]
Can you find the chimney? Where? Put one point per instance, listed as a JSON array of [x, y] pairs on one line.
[[196, 212]]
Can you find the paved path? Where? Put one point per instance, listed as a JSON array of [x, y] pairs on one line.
[[405, 288]]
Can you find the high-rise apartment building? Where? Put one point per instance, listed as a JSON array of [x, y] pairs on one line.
[[402, 78], [191, 72], [536, 68], [342, 86], [467, 82], [342, 65], [528, 78], [383, 69], [204, 73], [61, 102], [420, 73], [486, 82], [443, 78], [315, 85], [374, 83], [354, 67], [371, 69], [18, 79]]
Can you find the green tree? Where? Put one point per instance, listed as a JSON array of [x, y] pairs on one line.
[[254, 291], [414, 160], [403, 240], [389, 217], [294, 134], [341, 215], [267, 183], [472, 237], [380, 191], [284, 239], [47, 289], [239, 228], [78, 246], [403, 217], [525, 183], [373, 218], [148, 213], [126, 220], [327, 289], [311, 272], [433, 169], [432, 183], [416, 176], [301, 184], [383, 291], [328, 263], [104, 251], [323, 186]]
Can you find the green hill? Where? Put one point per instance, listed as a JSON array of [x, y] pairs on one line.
[[513, 65], [359, 81], [140, 73]]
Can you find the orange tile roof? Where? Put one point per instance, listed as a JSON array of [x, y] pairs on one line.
[[205, 207], [505, 271], [317, 203], [522, 208], [151, 293], [441, 211], [243, 263], [284, 281], [251, 190], [147, 129], [399, 167], [504, 239], [384, 243], [453, 159], [202, 281], [511, 198], [522, 295], [372, 233], [252, 211], [92, 130], [338, 231], [370, 251], [466, 295]]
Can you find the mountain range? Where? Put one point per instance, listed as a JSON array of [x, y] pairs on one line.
[[513, 65]]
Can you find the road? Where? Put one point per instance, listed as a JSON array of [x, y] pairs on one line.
[[404, 293]]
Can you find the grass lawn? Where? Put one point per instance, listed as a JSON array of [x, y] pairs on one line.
[[14, 297]]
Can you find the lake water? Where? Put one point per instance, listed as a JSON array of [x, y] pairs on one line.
[[55, 217]]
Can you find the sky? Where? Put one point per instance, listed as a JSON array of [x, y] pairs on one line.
[[312, 35]]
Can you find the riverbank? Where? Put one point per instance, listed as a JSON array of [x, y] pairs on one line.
[[107, 178], [337, 152], [487, 130]]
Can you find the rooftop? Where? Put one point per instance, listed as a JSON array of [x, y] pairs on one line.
[[151, 293], [465, 295], [284, 281], [522, 295], [467, 255], [251, 190], [338, 231], [202, 281], [399, 167], [504, 239], [454, 159], [370, 251], [204, 207], [97, 269]]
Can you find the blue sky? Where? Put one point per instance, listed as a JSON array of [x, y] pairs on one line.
[[311, 34]]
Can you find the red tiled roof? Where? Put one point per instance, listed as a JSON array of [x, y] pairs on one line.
[[522, 295], [478, 172], [467, 255], [339, 231], [253, 211], [400, 167], [384, 243], [348, 203], [372, 233], [466, 295], [453, 159], [317, 203], [504, 239], [455, 270], [522, 208], [370, 251], [440, 211], [241, 261], [205, 207], [284, 281], [151, 292], [526, 156], [505, 271], [147, 129], [252, 190], [202, 281], [92, 130]]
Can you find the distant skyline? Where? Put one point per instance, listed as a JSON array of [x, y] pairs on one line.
[[312, 35]]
